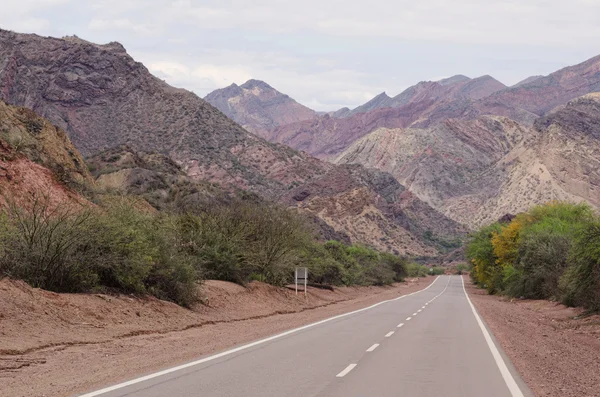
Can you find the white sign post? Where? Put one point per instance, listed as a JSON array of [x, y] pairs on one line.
[[302, 277]]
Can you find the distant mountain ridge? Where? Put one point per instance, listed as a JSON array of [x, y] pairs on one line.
[[455, 87]]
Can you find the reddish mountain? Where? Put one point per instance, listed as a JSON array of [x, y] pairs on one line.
[[542, 94], [327, 136], [455, 87], [103, 98], [258, 107]]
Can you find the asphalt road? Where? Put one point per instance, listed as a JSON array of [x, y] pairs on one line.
[[427, 344]]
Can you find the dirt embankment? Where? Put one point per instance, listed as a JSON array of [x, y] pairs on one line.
[[62, 344], [555, 349]]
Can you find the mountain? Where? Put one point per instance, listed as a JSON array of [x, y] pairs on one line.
[[441, 163], [459, 78], [380, 101], [475, 171], [541, 95], [328, 136], [144, 137], [528, 80], [258, 107], [455, 87], [38, 158], [103, 98], [370, 205]]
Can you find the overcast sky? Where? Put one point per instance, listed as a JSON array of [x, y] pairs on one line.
[[326, 53]]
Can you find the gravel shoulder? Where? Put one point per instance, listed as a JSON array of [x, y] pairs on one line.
[[555, 349], [63, 344]]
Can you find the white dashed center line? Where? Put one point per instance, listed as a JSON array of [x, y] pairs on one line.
[[370, 349], [400, 325], [414, 314], [408, 318], [345, 371], [389, 334]]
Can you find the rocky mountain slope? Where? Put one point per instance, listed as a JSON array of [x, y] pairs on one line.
[[542, 94], [36, 158], [258, 107], [475, 171], [348, 203], [371, 205]]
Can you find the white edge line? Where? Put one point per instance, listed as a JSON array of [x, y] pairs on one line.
[[389, 334], [345, 371], [514, 389], [370, 349], [243, 347]]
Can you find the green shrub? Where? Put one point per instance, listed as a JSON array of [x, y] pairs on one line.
[[48, 247], [480, 252], [75, 249], [542, 259], [120, 248], [396, 263], [551, 252], [417, 270], [437, 270], [581, 283], [461, 268]]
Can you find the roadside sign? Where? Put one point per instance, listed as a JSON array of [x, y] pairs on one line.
[[301, 277]]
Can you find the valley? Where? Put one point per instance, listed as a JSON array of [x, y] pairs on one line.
[[145, 228]]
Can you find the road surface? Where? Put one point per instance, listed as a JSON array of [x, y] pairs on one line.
[[427, 344]]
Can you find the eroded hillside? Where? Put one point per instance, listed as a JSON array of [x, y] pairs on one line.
[[475, 171], [38, 158]]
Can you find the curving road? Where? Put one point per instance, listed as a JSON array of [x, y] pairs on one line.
[[427, 344]]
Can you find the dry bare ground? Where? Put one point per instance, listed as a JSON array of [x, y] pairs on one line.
[[555, 349], [62, 344]]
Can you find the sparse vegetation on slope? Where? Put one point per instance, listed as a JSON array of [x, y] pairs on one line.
[[550, 252]]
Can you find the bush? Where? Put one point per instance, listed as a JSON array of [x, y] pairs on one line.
[[581, 283], [480, 251], [417, 270], [234, 241], [75, 249], [437, 270], [461, 268], [551, 252]]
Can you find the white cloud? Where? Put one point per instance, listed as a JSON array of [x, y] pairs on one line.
[[122, 24]]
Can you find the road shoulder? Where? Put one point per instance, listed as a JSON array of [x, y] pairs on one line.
[[555, 352]]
